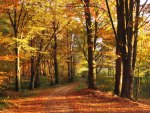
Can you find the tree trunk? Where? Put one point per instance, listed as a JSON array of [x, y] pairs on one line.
[[32, 74], [50, 73], [68, 58], [120, 43], [32, 70], [127, 81], [17, 53], [136, 34], [127, 64], [37, 68], [72, 60], [18, 74], [118, 72], [71, 68], [91, 50], [37, 77], [55, 60], [37, 73]]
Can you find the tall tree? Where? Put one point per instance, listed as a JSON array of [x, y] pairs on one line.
[[127, 31], [19, 17], [118, 68], [55, 28], [90, 42]]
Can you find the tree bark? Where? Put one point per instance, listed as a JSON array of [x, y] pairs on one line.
[[68, 58], [135, 47], [37, 73], [37, 83], [72, 59], [18, 74], [120, 43], [32, 69], [91, 50], [117, 88], [127, 58], [55, 60], [136, 33]]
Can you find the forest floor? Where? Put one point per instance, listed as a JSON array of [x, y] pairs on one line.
[[67, 99]]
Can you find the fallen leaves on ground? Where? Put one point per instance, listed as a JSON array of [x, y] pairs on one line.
[[65, 99]]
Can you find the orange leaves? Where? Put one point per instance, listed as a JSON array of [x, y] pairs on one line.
[[64, 99], [7, 58], [8, 4]]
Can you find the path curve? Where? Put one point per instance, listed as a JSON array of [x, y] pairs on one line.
[[64, 99], [52, 100]]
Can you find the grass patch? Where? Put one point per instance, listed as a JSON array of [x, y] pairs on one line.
[[80, 87], [105, 83]]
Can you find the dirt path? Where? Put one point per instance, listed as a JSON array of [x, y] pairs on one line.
[[64, 99], [53, 100]]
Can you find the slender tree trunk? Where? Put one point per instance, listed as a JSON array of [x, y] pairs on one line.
[[91, 50], [96, 30], [135, 48], [32, 69], [96, 36], [68, 58], [71, 68], [50, 73], [37, 77], [120, 44], [69, 72], [72, 60], [118, 35], [136, 33], [17, 53], [18, 74], [32, 73], [118, 72], [55, 60], [37, 73]]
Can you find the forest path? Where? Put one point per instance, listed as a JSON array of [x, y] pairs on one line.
[[52, 100], [64, 99]]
